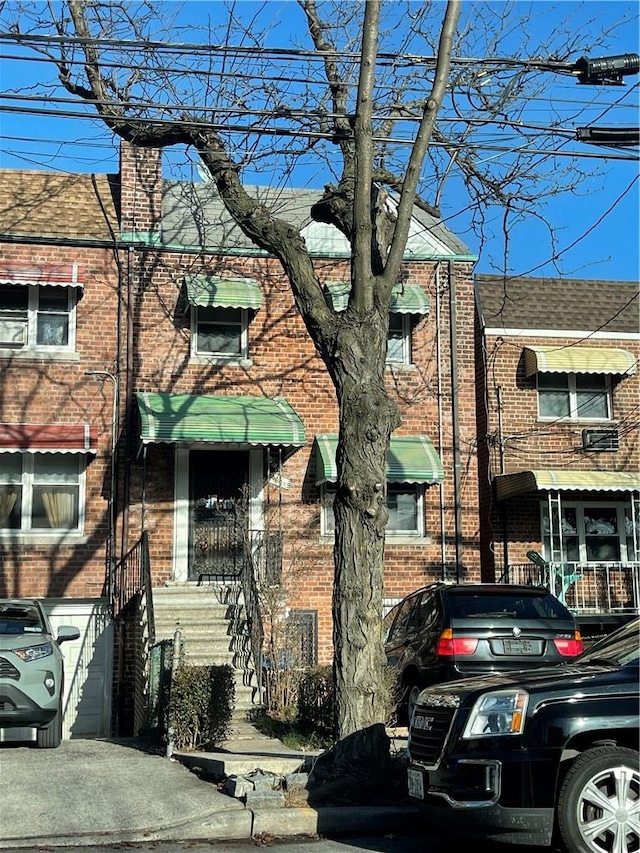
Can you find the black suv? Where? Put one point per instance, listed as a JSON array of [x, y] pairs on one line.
[[536, 757], [445, 631]]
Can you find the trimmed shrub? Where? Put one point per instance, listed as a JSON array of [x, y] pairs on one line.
[[316, 700], [200, 706]]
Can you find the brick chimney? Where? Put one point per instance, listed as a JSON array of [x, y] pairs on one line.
[[141, 192]]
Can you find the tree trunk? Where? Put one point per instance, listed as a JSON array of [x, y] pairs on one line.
[[367, 418]]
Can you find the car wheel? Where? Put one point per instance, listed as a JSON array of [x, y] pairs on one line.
[[599, 802], [413, 692], [51, 736]]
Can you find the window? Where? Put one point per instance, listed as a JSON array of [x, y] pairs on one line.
[[41, 492], [581, 396], [37, 317], [220, 332], [399, 341], [591, 532], [404, 502]]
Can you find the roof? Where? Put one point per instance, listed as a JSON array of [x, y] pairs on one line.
[[193, 215], [561, 304], [55, 204]]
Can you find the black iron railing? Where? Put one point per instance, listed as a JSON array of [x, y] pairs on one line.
[[132, 578]]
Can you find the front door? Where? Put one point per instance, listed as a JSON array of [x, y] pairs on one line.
[[218, 486]]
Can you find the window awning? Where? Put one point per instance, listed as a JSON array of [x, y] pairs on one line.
[[411, 459], [53, 275], [47, 438], [218, 420], [509, 485], [577, 359], [405, 298], [211, 292]]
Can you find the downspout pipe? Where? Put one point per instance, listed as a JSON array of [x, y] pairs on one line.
[[443, 536], [455, 421]]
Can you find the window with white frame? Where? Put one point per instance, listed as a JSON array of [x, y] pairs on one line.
[[592, 532], [405, 502], [579, 396], [37, 317], [220, 332], [399, 340], [41, 492]]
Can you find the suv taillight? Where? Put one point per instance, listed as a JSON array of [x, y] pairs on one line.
[[449, 645], [570, 648]]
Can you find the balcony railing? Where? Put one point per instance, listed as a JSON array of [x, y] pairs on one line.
[[585, 588]]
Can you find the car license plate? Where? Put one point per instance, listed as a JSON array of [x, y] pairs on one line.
[[416, 783], [518, 647]]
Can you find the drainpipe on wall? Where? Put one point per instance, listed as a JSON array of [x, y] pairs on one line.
[[453, 333], [128, 408], [503, 512], [443, 539]]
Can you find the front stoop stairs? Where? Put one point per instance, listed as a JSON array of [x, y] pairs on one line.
[[212, 620]]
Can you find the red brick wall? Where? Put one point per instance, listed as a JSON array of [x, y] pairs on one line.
[[530, 443], [39, 390]]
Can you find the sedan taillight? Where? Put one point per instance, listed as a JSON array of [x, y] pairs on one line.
[[449, 645], [570, 648]]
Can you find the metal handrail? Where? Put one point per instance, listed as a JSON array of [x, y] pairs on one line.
[[132, 576]]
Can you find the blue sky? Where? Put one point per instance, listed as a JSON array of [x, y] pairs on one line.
[[596, 224]]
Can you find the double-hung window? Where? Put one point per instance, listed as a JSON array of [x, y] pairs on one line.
[[592, 531], [41, 493], [578, 396], [220, 332], [404, 503], [37, 317]]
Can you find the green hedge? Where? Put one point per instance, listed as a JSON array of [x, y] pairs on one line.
[[200, 706]]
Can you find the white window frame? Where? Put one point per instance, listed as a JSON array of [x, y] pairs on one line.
[[327, 526], [406, 326], [589, 508], [30, 319], [27, 480], [242, 355], [574, 414]]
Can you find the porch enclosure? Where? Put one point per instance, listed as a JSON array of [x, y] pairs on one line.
[[589, 553]]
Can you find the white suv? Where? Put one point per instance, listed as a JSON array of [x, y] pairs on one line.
[[31, 670]]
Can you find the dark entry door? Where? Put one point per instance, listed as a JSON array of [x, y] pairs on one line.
[[217, 500]]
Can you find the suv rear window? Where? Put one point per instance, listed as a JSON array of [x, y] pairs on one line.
[[468, 606]]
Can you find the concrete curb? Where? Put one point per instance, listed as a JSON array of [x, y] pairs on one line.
[[335, 819], [237, 823]]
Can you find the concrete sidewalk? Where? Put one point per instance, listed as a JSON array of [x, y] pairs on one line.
[[90, 792]]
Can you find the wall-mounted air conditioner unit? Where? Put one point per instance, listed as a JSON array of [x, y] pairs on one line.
[[600, 439], [13, 333]]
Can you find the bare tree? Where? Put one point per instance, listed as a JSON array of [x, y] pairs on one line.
[[355, 124]]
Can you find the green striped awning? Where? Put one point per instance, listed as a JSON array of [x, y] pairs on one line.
[[211, 292], [405, 298], [218, 420], [577, 359], [509, 485], [411, 459]]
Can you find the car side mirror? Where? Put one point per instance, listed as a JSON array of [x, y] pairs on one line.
[[67, 632]]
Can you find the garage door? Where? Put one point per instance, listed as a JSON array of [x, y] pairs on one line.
[[88, 665]]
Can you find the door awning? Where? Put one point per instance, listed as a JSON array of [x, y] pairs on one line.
[[577, 359], [509, 485], [53, 275], [218, 420], [47, 438], [405, 298], [212, 292], [411, 459]]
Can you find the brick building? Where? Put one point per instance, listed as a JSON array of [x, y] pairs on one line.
[[558, 437], [179, 354]]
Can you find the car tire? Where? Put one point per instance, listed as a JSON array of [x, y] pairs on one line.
[[599, 802], [413, 691], [51, 736]]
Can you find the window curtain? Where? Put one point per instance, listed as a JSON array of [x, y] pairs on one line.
[[59, 508], [7, 503]]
